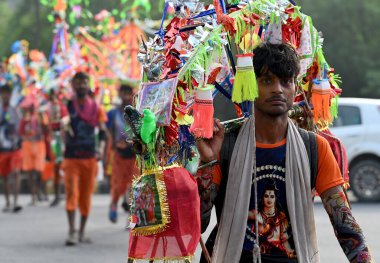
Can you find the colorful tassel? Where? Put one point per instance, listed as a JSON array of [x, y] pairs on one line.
[[203, 112], [245, 84], [321, 100], [334, 107]]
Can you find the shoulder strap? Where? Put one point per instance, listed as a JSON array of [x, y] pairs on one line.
[[224, 158], [70, 107], [310, 141]]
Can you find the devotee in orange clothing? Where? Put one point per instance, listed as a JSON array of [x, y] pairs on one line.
[[10, 143], [33, 130], [123, 161], [81, 154]]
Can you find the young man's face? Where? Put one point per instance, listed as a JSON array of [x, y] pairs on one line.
[[5, 96], [29, 109], [52, 96], [80, 87], [275, 95], [126, 97]]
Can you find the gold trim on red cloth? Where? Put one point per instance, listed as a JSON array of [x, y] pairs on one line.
[[164, 205]]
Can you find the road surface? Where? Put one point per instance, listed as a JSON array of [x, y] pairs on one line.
[[37, 234]]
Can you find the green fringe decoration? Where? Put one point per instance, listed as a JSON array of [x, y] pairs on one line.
[[336, 80], [144, 77], [334, 107], [245, 85], [150, 160], [321, 58], [200, 59], [233, 2], [241, 29]]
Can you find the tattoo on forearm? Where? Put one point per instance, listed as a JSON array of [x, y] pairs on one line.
[[207, 192], [347, 231], [205, 187]]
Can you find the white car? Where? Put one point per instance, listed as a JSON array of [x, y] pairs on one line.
[[358, 127]]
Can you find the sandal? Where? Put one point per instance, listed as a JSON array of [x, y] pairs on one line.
[[55, 202], [71, 240], [6, 209], [112, 215], [84, 240], [125, 206], [17, 209]]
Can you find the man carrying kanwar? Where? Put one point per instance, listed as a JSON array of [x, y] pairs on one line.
[[263, 185]]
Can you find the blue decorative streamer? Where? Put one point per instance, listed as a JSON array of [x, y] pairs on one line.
[[54, 46], [223, 5], [204, 13], [260, 31], [186, 140], [222, 90], [161, 31]]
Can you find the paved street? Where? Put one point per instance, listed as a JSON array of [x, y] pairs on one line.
[[37, 235]]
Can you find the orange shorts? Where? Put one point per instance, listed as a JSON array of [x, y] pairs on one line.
[[48, 172], [80, 176], [33, 155], [9, 162], [123, 171], [109, 162]]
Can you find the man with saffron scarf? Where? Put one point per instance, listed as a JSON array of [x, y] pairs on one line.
[[81, 154], [269, 149]]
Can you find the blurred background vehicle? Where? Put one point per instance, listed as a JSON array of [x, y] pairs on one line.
[[358, 127]]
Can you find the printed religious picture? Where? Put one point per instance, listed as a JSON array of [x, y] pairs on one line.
[[273, 223], [158, 98], [145, 203]]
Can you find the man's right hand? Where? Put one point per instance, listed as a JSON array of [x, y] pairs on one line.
[[209, 149]]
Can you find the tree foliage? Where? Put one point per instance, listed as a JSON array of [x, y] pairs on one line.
[[18, 20], [351, 42]]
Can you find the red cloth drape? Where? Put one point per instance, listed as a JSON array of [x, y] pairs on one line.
[[339, 152], [181, 237]]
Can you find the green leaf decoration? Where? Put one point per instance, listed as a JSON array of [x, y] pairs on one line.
[[72, 19], [50, 18]]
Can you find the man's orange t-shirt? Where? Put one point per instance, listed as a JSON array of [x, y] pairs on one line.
[[328, 176]]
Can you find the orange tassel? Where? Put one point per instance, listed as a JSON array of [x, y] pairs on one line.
[[203, 112], [321, 101]]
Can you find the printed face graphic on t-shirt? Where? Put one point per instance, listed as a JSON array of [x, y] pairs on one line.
[[273, 224], [269, 199]]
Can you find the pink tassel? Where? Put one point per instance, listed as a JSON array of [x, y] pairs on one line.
[[203, 112]]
